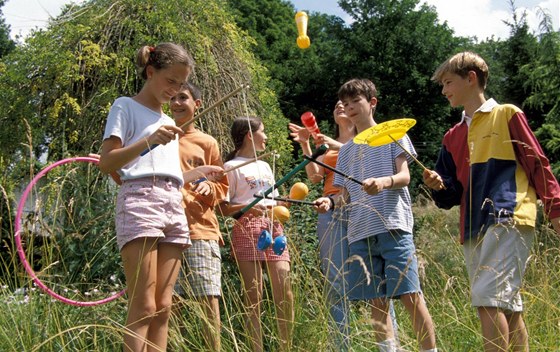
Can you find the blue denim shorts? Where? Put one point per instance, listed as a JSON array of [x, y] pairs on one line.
[[383, 265]]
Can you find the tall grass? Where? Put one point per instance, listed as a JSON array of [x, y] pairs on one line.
[[33, 321]]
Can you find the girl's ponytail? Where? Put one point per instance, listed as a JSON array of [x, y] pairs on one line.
[[162, 56]]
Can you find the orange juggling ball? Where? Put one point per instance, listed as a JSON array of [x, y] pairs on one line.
[[299, 191], [280, 213]]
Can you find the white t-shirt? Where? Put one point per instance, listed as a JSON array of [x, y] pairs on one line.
[[249, 179], [131, 121]]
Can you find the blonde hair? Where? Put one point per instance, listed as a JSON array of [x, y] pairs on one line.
[[162, 56], [460, 64]]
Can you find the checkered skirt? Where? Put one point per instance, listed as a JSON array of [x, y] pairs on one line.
[[245, 235]]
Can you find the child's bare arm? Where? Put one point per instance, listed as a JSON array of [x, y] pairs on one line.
[[211, 172], [401, 179], [114, 155]]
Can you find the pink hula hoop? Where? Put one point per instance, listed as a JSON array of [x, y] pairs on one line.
[[21, 252]]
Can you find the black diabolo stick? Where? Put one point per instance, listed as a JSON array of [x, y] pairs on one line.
[[333, 169]]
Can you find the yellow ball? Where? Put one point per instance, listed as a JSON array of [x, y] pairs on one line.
[[299, 191], [303, 42], [280, 213]]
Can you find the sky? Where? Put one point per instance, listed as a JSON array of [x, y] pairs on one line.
[[480, 18]]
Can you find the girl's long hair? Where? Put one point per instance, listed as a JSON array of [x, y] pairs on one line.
[[239, 129]]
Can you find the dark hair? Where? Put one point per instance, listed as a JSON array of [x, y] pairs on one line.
[[162, 56], [239, 129], [193, 90], [357, 86], [337, 126]]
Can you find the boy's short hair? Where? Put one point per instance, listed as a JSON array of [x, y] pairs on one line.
[[194, 90], [460, 64], [357, 86]]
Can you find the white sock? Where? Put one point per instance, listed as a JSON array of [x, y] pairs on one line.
[[430, 350], [387, 346]]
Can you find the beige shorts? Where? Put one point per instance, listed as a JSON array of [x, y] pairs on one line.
[[496, 265], [151, 207], [202, 270]]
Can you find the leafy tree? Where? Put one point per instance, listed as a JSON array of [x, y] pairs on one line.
[[544, 73], [518, 50], [491, 50], [544, 85], [63, 80], [303, 79], [398, 45], [6, 43], [392, 42], [56, 88]]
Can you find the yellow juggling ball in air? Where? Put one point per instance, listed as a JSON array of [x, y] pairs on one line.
[[303, 41], [299, 191]]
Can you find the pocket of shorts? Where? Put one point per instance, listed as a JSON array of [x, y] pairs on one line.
[[215, 250], [139, 191]]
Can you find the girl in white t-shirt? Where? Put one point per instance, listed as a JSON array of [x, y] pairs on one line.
[[248, 138], [151, 227]]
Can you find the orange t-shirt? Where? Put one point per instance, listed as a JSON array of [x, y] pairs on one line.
[[330, 158], [195, 149]]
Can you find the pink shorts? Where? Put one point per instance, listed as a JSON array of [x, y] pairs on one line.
[[151, 207], [245, 235]]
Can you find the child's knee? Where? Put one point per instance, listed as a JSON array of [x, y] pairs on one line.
[[142, 310]]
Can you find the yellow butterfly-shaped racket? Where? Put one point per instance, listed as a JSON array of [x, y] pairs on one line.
[[385, 132]]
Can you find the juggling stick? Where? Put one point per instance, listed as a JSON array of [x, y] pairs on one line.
[[409, 153], [319, 151], [302, 41], [204, 112], [310, 158], [308, 120], [202, 179], [414, 158], [21, 251], [249, 162], [288, 200]]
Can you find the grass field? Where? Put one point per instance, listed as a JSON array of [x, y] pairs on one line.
[[33, 321]]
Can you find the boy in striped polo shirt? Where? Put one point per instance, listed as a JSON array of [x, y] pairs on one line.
[[493, 167], [380, 222]]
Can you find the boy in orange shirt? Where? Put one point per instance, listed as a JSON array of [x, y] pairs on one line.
[[202, 261]]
